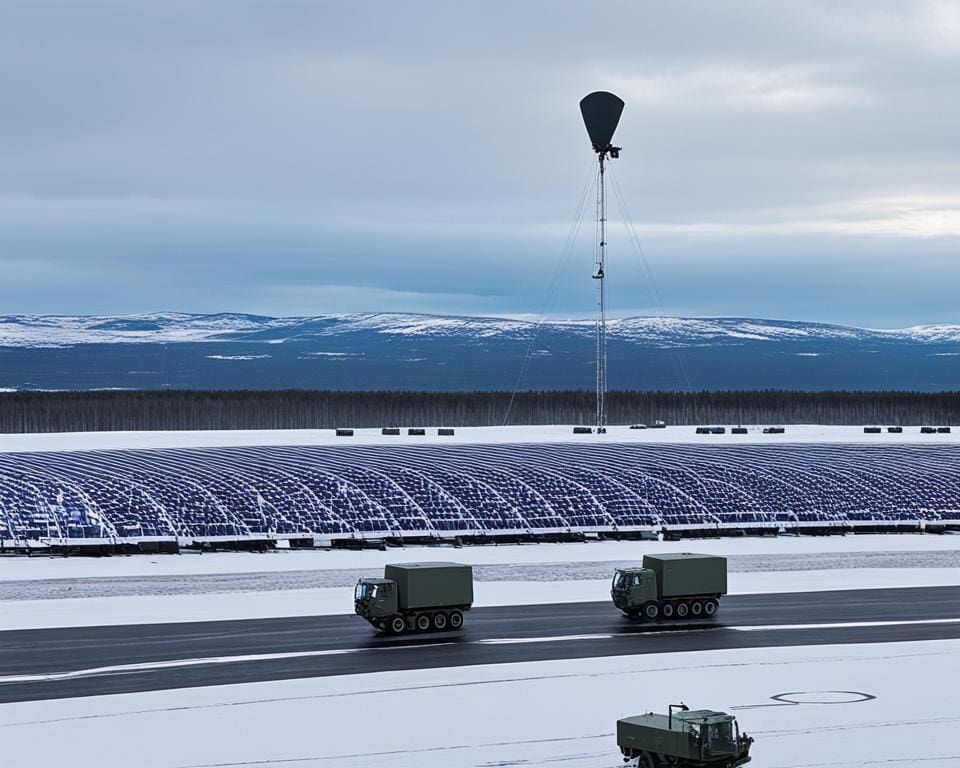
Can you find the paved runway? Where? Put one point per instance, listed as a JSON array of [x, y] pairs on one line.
[[58, 663]]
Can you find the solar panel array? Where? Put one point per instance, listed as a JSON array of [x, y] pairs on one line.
[[250, 492]]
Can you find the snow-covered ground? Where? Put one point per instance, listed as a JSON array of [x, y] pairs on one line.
[[14, 568], [52, 592], [881, 706], [552, 713], [221, 606], [798, 433]]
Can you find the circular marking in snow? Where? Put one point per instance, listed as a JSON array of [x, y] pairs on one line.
[[823, 697]]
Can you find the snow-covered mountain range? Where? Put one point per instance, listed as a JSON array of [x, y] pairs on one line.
[[172, 327], [407, 351]]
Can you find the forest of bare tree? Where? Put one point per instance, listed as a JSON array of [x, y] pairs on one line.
[[304, 409]]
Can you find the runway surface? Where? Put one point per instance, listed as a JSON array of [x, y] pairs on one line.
[[89, 661]]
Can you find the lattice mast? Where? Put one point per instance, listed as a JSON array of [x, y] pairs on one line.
[[601, 113]]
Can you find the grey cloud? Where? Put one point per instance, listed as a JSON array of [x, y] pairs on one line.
[[241, 155]]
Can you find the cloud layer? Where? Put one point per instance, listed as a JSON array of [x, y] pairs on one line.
[[299, 157]]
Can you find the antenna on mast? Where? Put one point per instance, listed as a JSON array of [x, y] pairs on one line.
[[601, 112]]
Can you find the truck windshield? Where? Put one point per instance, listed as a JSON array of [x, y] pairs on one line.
[[364, 590], [624, 580], [719, 739]]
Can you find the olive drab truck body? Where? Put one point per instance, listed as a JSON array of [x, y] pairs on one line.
[[673, 586], [416, 596], [684, 738]]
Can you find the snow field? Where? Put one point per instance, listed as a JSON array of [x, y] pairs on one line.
[[529, 714], [46, 567], [795, 433]]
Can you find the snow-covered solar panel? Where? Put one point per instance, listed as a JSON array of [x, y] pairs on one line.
[[253, 491]]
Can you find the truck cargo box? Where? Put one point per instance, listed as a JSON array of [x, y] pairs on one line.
[[432, 585], [651, 733], [688, 574]]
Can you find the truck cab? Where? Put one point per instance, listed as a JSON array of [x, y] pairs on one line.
[[717, 734], [375, 599], [632, 588]]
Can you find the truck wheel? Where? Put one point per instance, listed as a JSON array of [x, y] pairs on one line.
[[423, 622], [651, 610], [710, 607], [397, 625], [439, 621], [666, 610], [682, 610], [456, 619], [647, 761], [696, 608]]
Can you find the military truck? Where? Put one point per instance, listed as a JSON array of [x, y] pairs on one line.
[[416, 596], [675, 586], [700, 738]]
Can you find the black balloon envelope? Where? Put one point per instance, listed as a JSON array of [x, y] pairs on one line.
[[601, 112]]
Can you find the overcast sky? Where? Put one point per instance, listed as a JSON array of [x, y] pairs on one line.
[[788, 160]]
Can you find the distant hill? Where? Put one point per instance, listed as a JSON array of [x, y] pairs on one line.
[[432, 352]]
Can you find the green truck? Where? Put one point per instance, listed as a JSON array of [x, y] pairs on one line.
[[688, 739], [682, 585], [416, 596]]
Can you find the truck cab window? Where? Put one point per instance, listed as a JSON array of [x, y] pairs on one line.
[[720, 738]]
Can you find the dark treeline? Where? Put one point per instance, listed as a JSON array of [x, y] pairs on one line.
[[304, 409]]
